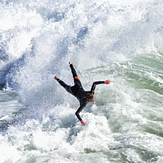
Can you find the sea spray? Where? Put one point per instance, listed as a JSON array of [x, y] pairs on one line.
[[119, 41]]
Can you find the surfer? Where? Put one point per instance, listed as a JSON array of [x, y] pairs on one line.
[[77, 90]]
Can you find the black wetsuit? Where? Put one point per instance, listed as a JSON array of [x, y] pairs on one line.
[[78, 91]]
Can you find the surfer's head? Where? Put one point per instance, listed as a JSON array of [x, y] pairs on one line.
[[90, 97]]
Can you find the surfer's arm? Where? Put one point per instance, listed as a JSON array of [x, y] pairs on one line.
[[78, 111], [98, 82], [94, 85]]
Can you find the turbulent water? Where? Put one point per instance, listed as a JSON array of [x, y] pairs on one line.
[[117, 40]]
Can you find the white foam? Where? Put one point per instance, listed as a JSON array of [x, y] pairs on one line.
[[101, 38]]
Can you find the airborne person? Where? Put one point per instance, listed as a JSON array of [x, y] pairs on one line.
[[77, 90]]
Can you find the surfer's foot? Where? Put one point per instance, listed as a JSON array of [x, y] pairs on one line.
[[71, 63], [55, 77]]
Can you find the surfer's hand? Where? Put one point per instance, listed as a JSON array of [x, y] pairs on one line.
[[107, 81], [71, 63], [83, 123], [55, 77]]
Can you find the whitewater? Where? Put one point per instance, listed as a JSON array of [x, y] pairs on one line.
[[117, 40]]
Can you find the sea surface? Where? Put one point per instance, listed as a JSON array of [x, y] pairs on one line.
[[117, 40]]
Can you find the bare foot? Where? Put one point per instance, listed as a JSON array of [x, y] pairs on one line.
[[55, 77], [71, 63]]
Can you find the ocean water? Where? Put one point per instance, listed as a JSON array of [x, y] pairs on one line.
[[117, 40]]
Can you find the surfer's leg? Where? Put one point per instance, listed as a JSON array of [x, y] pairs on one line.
[[75, 76], [73, 70], [77, 81], [67, 87]]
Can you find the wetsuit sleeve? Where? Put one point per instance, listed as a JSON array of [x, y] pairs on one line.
[[79, 110], [94, 85]]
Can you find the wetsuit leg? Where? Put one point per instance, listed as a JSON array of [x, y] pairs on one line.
[[76, 79], [77, 84], [73, 71], [67, 87]]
